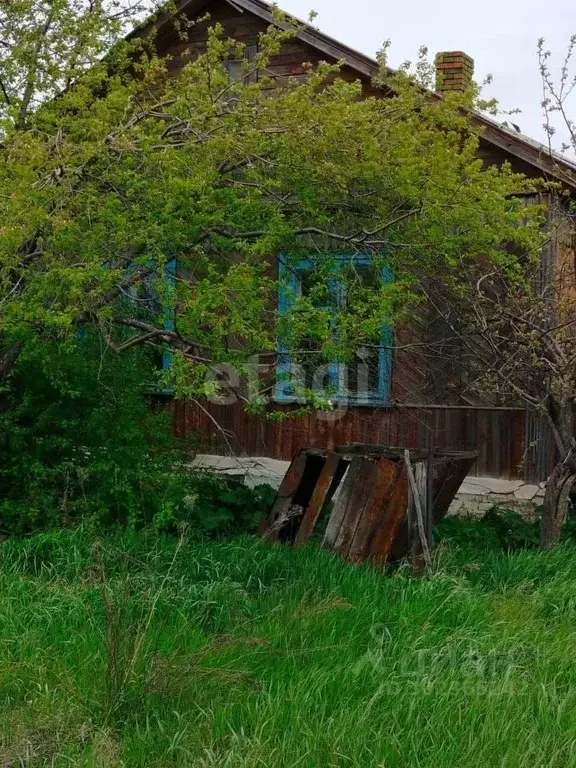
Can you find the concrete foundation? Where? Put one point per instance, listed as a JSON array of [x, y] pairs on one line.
[[475, 497]]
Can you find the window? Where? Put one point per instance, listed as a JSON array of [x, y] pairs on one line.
[[363, 380], [235, 68], [239, 70], [156, 304]]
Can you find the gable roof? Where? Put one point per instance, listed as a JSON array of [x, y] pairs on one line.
[[549, 163]]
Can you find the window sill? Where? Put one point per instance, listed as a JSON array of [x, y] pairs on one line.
[[375, 402]]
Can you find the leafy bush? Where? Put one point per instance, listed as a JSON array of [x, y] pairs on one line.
[[512, 530], [466, 531], [215, 505], [499, 528], [79, 441]]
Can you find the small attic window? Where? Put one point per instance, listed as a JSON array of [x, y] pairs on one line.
[[237, 68]]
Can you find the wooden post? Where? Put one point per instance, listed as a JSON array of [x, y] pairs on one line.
[[417, 501], [430, 491]]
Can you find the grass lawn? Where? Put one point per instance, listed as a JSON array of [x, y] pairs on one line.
[[138, 651]]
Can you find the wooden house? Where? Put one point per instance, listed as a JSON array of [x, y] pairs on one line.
[[411, 410]]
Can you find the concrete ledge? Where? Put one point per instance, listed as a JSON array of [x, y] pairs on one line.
[[476, 495], [254, 471]]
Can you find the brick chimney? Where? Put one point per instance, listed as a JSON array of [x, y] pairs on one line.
[[454, 71]]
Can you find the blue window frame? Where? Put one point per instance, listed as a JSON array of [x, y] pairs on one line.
[[170, 271], [372, 388], [147, 297]]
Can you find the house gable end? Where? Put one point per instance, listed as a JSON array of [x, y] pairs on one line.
[[244, 19]]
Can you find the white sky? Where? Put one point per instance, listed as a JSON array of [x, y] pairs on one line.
[[500, 35]]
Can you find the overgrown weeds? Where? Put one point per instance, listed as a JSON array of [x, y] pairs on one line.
[[80, 443], [147, 650], [131, 642], [500, 529]]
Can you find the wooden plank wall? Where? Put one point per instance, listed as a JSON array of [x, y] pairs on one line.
[[509, 441], [246, 28], [512, 444], [242, 27], [566, 267]]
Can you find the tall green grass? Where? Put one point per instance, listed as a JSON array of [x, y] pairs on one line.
[[142, 651]]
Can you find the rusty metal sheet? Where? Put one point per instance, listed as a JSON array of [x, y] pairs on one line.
[[320, 495], [385, 477], [392, 520]]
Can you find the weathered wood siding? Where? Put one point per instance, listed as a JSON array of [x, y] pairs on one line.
[[566, 270], [246, 29], [512, 444]]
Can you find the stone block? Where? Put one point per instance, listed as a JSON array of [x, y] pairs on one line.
[[526, 492]]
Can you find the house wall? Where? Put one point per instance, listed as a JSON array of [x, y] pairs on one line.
[[511, 443], [566, 270], [246, 29]]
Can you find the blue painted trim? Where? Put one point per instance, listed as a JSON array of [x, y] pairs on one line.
[[170, 273], [290, 288], [284, 366]]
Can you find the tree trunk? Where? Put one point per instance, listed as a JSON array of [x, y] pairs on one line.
[[560, 414], [8, 360], [556, 500]]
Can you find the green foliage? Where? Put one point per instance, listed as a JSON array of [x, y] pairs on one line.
[[466, 532], [125, 171], [512, 530], [80, 441], [244, 654], [499, 529], [217, 505]]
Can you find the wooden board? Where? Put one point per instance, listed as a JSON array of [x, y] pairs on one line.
[[286, 492], [319, 497], [384, 478], [355, 492], [341, 504], [447, 481], [393, 518]]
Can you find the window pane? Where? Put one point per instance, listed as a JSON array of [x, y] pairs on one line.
[[235, 70], [310, 369], [315, 287], [362, 276], [363, 373], [362, 378]]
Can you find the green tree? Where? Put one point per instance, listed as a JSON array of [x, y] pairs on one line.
[[80, 443], [109, 169]]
